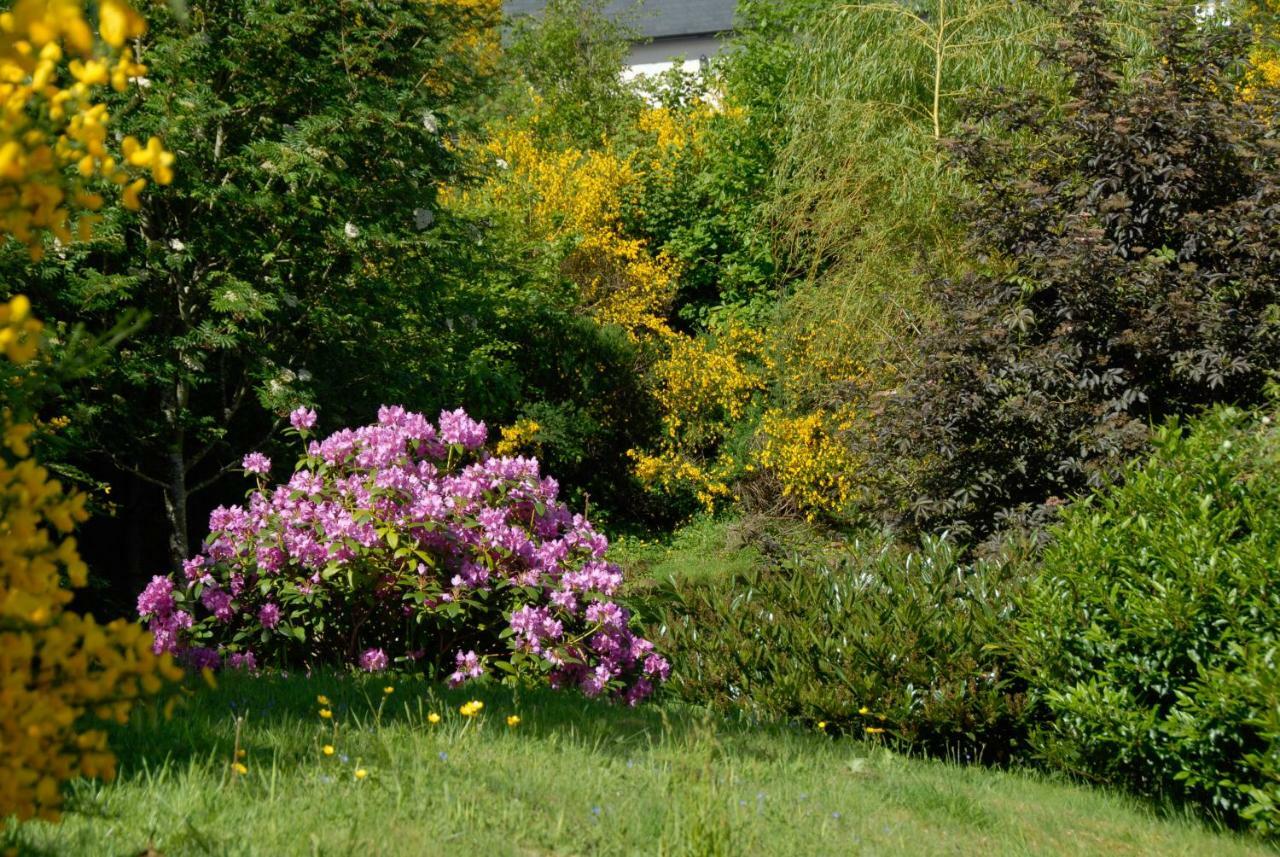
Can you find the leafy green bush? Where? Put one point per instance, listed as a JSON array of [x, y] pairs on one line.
[[1153, 634], [1124, 272], [872, 637]]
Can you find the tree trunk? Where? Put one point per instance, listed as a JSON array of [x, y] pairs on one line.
[[175, 492], [175, 505]]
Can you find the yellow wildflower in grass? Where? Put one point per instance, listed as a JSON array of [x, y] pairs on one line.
[[433, 718], [513, 720], [388, 690], [874, 730], [327, 749], [822, 725], [864, 710], [361, 773], [239, 768], [323, 700], [471, 709], [326, 714]]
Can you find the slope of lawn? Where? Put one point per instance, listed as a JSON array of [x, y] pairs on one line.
[[573, 777]]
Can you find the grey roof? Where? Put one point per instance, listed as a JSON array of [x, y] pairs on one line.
[[657, 19]]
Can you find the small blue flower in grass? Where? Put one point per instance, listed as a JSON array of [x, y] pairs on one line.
[[836, 816], [595, 810], [444, 757], [344, 758]]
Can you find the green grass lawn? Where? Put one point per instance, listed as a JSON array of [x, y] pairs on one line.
[[574, 777]]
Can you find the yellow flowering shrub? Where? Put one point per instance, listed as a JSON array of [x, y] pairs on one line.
[[703, 386], [473, 49], [53, 134], [58, 668], [706, 381], [671, 471], [519, 437], [571, 201], [807, 454], [1264, 62]]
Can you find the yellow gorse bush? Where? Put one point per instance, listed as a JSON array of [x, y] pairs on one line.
[[703, 386], [53, 133], [572, 201], [56, 667], [812, 462], [474, 46], [519, 437], [1264, 63]]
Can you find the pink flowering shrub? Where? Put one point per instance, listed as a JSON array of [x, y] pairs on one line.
[[405, 543]]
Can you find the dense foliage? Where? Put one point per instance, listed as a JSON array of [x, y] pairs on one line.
[[297, 235], [401, 542], [1125, 269], [871, 639], [1150, 638], [871, 269]]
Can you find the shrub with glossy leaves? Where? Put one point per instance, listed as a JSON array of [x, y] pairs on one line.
[[404, 542], [869, 639], [1152, 636]]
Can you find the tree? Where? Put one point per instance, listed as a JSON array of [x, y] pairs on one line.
[[1126, 273], [295, 252], [564, 66]]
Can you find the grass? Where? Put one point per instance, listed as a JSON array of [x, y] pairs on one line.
[[700, 549], [573, 778]]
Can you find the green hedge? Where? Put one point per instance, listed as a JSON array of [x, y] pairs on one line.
[[1150, 639]]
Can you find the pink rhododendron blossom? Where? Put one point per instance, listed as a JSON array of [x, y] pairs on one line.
[[256, 462], [269, 615], [469, 666], [302, 419], [373, 660], [157, 598], [399, 540], [242, 661]]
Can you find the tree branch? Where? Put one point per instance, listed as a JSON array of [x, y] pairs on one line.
[[130, 469], [230, 465]]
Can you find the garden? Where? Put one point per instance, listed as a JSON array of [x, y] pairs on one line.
[[420, 436]]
